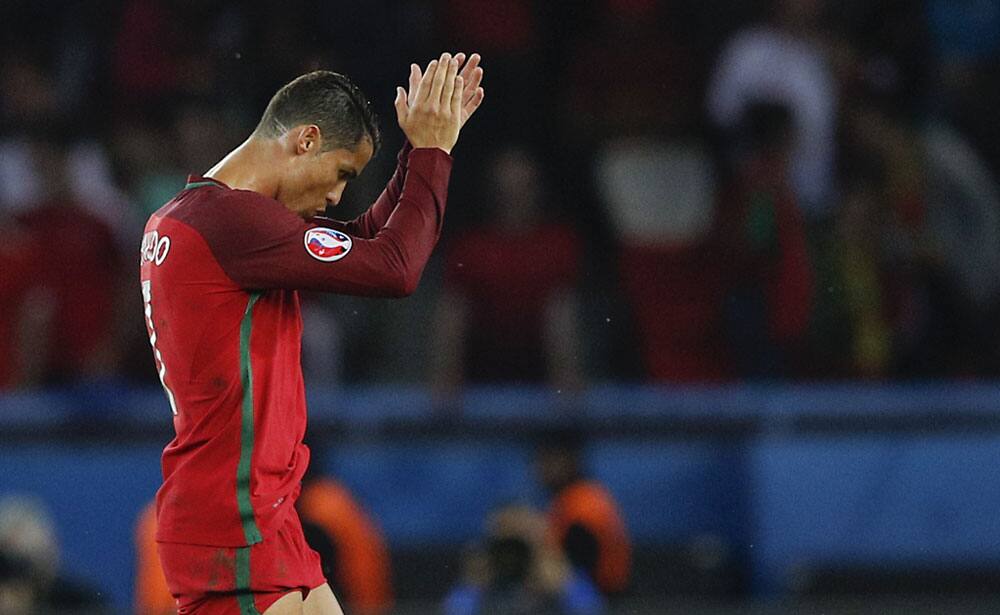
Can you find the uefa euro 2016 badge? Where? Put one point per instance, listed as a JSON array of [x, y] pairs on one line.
[[327, 245]]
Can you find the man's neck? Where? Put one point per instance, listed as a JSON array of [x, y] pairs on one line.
[[249, 167]]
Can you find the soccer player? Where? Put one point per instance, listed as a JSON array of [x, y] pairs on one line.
[[220, 267]]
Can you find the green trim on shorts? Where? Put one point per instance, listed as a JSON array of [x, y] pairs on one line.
[[250, 530], [243, 595]]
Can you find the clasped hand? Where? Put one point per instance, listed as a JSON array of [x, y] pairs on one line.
[[440, 100]]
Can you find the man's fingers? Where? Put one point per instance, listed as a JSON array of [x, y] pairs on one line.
[[456, 98], [426, 83], [470, 106], [472, 84], [415, 75], [472, 76], [447, 92], [469, 67], [439, 78]]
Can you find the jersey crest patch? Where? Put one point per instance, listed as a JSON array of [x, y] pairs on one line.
[[326, 244]]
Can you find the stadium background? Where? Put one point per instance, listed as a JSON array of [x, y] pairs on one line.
[[778, 290]]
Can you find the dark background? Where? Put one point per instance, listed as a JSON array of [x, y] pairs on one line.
[[797, 361]]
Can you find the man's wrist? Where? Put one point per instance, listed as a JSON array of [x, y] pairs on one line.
[[432, 147]]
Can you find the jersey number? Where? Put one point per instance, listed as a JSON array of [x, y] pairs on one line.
[[161, 369]]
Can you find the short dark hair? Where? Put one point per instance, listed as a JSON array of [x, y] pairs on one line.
[[327, 99]]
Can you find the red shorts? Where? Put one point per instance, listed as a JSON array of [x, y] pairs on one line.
[[235, 581]]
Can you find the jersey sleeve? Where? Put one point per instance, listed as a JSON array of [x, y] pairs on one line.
[[261, 245], [368, 224]]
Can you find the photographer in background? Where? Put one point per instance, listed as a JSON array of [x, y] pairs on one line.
[[584, 520], [30, 582], [519, 572]]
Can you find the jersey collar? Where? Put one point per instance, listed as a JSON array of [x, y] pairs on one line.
[[197, 181]]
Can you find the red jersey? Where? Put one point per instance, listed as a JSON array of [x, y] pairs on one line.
[[219, 270], [20, 259]]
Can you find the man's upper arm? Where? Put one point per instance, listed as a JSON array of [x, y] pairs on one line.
[[262, 245]]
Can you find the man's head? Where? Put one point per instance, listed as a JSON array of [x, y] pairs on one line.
[[515, 181], [558, 460], [326, 132]]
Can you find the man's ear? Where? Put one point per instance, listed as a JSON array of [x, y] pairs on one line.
[[308, 140]]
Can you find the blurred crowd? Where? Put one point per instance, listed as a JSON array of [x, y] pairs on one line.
[[573, 558], [654, 190], [31, 580]]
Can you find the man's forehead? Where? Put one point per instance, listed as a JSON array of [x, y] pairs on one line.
[[352, 159]]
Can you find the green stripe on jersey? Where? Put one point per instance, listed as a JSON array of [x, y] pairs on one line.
[[250, 530], [243, 594], [199, 185]]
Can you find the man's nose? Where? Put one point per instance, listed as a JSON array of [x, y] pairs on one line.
[[333, 197]]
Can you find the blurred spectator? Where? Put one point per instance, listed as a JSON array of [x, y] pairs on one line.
[[494, 30], [155, 158], [146, 159], [518, 572], [508, 36], [322, 349], [82, 269], [658, 188], [767, 266], [140, 92], [610, 93], [918, 247], [354, 555], [963, 211], [661, 200], [160, 51], [152, 597], [25, 306], [146, 62], [29, 555], [28, 96], [884, 43], [93, 187], [353, 551], [583, 519], [202, 137], [965, 36], [29, 565], [508, 312], [783, 62], [853, 302]]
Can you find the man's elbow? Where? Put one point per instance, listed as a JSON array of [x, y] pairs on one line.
[[392, 284], [405, 284]]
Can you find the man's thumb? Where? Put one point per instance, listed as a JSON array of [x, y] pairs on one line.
[[401, 105]]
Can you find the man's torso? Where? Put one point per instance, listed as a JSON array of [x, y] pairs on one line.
[[228, 358]]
